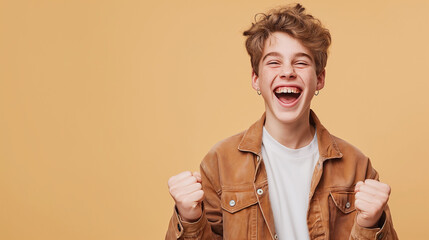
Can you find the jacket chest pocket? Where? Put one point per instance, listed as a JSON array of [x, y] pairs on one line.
[[344, 201], [239, 214], [341, 213]]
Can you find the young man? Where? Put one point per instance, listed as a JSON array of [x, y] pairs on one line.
[[286, 177]]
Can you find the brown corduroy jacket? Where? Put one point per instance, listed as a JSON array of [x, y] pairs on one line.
[[233, 208]]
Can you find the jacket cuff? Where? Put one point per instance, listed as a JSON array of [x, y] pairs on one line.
[[364, 233], [188, 229]]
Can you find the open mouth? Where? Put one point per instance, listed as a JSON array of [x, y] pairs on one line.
[[287, 95]]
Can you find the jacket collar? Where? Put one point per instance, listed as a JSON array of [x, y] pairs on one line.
[[328, 148]]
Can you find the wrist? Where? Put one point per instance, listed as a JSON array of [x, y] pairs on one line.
[[192, 216], [373, 224]]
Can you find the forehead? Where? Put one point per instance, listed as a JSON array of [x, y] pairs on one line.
[[284, 45]]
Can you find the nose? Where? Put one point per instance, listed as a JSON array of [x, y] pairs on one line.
[[288, 72]]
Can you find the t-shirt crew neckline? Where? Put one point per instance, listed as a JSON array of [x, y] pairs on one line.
[[299, 153]]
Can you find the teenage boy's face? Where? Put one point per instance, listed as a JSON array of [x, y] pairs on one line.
[[287, 79]]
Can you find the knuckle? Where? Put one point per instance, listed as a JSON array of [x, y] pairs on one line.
[[385, 197], [183, 200], [170, 181], [199, 195], [201, 192], [178, 200], [176, 197], [172, 190], [388, 189], [180, 196], [357, 203], [358, 195]]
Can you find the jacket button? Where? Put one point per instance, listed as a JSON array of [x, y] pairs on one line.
[[275, 236], [348, 205], [260, 191], [232, 203]]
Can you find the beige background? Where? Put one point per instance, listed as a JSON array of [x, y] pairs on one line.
[[102, 101]]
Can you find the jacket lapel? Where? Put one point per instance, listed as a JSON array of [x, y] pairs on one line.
[[252, 143], [328, 149]]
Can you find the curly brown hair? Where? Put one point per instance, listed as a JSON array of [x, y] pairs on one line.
[[294, 21]]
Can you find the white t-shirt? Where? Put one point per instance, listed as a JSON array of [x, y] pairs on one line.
[[289, 173]]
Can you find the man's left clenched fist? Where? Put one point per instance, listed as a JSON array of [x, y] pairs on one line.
[[371, 197]]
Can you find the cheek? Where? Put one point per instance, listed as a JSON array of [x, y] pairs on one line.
[[264, 82], [311, 80], [267, 77]]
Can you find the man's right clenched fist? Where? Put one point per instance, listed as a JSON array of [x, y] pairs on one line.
[[186, 190]]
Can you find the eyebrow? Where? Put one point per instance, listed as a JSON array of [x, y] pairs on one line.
[[276, 54]]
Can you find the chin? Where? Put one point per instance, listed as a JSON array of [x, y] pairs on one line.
[[287, 117], [290, 116]]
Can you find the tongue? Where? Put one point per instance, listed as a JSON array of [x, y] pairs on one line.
[[288, 98]]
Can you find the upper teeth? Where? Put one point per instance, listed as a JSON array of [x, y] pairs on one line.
[[287, 90]]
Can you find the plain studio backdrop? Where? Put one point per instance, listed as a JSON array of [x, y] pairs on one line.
[[102, 101]]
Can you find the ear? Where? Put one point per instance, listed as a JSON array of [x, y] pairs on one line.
[[321, 80], [255, 81]]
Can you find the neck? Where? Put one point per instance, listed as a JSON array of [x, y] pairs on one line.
[[292, 135]]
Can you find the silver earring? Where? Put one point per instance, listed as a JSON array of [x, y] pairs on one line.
[[258, 91], [316, 93]]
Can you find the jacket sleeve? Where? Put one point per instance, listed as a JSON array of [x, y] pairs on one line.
[[386, 232], [209, 226]]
